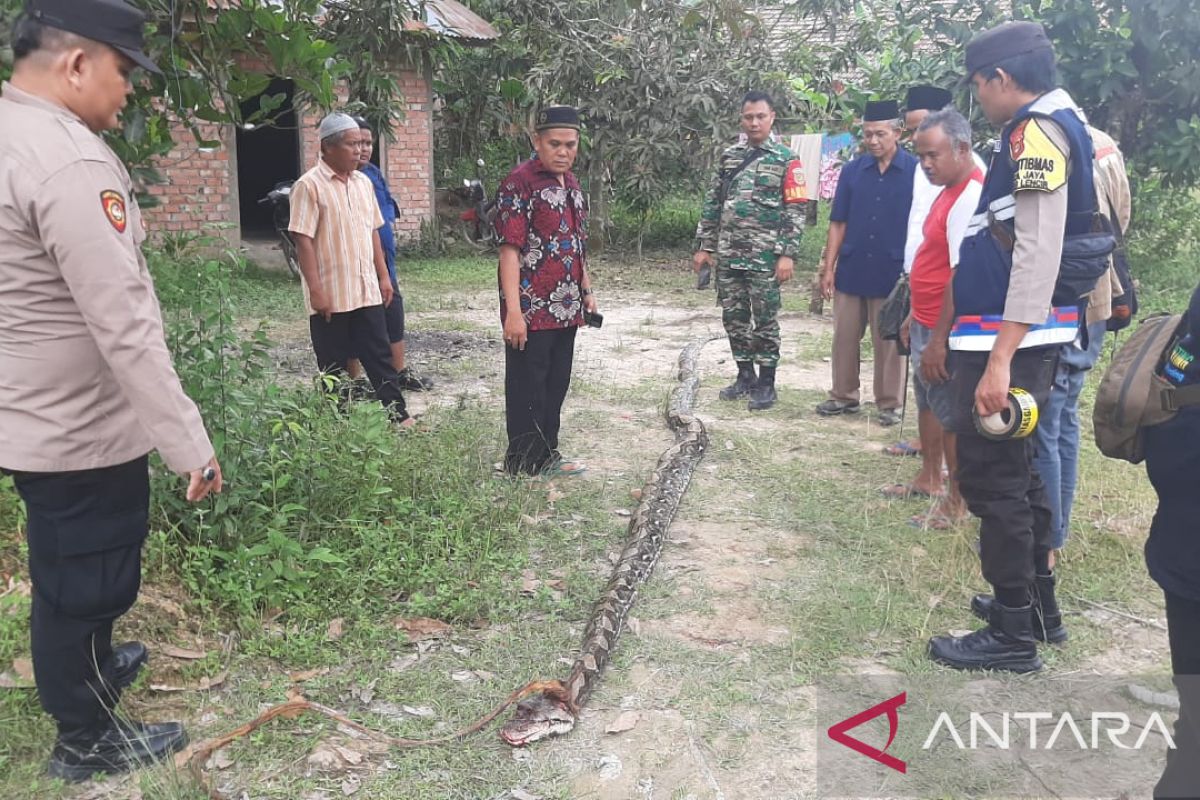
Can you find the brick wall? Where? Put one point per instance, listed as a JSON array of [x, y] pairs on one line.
[[202, 186], [200, 189], [408, 161]]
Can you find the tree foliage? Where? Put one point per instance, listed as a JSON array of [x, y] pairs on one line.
[[214, 62]]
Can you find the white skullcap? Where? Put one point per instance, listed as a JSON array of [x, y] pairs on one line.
[[336, 123]]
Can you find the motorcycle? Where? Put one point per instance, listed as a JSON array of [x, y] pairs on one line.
[[281, 209], [476, 221]]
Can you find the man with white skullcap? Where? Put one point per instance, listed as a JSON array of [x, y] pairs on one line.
[[335, 220]]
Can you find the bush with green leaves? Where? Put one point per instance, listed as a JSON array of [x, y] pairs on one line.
[[324, 503]]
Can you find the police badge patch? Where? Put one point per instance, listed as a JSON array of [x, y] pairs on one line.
[[1041, 166], [113, 203]]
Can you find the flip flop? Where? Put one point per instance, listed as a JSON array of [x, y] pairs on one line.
[[905, 491], [562, 467], [902, 449], [935, 522]]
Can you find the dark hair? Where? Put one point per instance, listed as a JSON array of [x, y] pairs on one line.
[[30, 36], [1034, 72], [756, 96], [27, 35], [361, 122]]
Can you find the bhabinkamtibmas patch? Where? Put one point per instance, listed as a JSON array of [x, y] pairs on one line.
[[113, 203], [794, 188], [1041, 166]]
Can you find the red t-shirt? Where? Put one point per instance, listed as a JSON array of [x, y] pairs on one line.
[[938, 255], [547, 221]]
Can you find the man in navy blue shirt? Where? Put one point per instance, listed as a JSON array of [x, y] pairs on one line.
[[394, 312], [864, 256]]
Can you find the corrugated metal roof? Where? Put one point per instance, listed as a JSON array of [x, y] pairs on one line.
[[451, 18], [445, 17]]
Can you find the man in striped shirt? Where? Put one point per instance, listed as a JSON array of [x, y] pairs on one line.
[[335, 220]]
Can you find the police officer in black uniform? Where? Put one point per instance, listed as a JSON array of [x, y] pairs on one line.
[[1035, 247]]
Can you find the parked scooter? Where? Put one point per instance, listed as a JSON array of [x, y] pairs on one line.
[[477, 221], [281, 209]]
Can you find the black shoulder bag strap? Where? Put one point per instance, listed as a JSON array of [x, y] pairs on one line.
[[728, 179]]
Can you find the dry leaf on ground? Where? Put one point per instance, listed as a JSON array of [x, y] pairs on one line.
[[335, 629], [181, 653], [23, 667], [421, 627], [307, 675], [424, 712], [625, 721]]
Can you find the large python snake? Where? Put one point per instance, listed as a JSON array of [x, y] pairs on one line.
[[553, 709]]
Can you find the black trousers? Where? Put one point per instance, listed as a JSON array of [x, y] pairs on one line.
[[85, 532], [536, 380], [1181, 778], [360, 334], [998, 479]]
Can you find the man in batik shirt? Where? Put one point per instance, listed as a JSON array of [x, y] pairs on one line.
[[544, 291]]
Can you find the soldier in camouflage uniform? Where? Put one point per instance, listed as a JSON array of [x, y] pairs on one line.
[[752, 218]]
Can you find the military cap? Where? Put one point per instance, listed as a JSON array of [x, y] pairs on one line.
[[927, 98], [881, 111], [111, 22], [557, 117], [1003, 42]]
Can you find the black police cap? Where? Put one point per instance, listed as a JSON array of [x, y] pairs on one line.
[[927, 98], [881, 111], [111, 22], [557, 117], [1005, 41]]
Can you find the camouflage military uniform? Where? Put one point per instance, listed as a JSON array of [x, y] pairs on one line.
[[759, 221]]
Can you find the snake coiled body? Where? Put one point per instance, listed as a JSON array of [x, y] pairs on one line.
[[554, 709]]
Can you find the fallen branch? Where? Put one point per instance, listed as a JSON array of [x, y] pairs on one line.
[[1149, 623]]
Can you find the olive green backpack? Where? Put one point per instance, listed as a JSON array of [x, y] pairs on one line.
[[1133, 395]]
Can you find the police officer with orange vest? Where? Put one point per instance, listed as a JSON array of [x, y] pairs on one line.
[[1035, 247]]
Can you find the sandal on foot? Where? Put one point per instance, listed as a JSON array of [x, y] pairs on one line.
[[902, 449], [904, 491], [562, 467]]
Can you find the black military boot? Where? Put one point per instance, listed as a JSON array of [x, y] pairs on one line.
[[1006, 643], [113, 747], [762, 396], [746, 380], [1047, 618]]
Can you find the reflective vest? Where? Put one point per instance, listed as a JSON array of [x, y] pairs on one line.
[[985, 260]]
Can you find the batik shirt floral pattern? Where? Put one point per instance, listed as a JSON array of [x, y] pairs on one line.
[[548, 222]]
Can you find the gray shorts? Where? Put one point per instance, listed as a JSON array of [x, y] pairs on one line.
[[936, 397]]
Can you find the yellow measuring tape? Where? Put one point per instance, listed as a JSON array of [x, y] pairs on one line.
[[1015, 422]]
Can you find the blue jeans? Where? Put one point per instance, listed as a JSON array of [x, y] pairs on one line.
[[1056, 454]]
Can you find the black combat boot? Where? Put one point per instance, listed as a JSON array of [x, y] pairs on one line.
[[1047, 618], [112, 747], [1006, 643], [127, 661], [746, 380], [762, 396]]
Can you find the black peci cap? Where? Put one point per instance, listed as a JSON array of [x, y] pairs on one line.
[[881, 111], [927, 98], [557, 117], [111, 22], [1005, 41]]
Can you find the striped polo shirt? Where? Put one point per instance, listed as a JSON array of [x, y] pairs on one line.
[[340, 214]]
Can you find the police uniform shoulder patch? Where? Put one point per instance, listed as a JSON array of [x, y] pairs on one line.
[[1040, 165], [795, 190], [113, 203]]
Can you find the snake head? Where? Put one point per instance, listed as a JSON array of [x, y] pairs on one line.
[[538, 717]]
